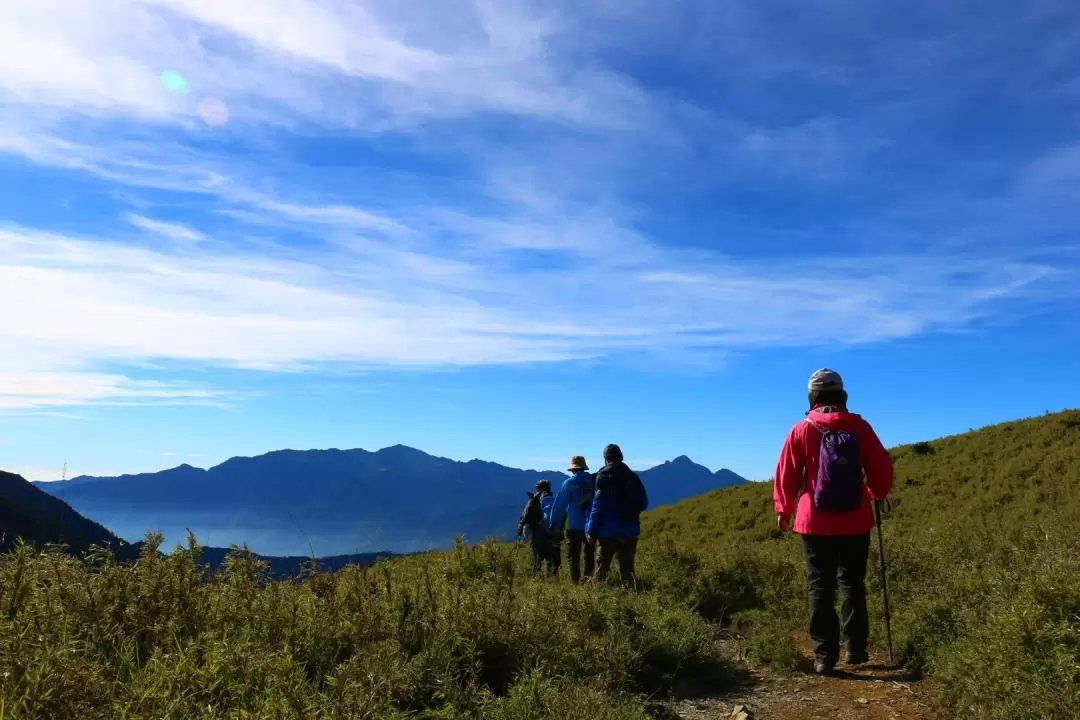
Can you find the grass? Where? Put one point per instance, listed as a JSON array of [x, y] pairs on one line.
[[983, 549], [983, 558], [440, 636]]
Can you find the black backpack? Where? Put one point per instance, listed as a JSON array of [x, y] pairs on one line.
[[632, 497], [532, 517], [588, 492]]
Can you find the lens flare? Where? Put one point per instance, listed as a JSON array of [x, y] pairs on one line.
[[174, 82], [214, 112]]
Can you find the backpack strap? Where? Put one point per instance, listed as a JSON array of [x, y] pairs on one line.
[[806, 470]]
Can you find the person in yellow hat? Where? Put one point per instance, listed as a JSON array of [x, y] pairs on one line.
[[572, 504]]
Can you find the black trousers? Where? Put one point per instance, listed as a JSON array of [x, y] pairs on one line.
[[626, 549], [575, 548], [831, 561], [545, 551]]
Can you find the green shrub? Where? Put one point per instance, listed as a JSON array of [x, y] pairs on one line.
[[442, 635], [983, 567]]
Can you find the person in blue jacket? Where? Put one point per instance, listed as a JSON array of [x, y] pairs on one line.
[[572, 505], [614, 521]]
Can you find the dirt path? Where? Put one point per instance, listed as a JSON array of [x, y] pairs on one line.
[[869, 692]]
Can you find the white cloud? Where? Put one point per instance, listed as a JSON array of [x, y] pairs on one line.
[[23, 390], [73, 305], [173, 231], [338, 214], [520, 247], [94, 56], [364, 64]]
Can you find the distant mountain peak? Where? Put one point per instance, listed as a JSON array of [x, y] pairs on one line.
[[400, 450], [682, 463], [729, 477]]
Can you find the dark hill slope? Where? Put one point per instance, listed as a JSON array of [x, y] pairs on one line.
[[38, 518], [983, 556], [283, 568]]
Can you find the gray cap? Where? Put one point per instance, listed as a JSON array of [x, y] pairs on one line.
[[826, 379]]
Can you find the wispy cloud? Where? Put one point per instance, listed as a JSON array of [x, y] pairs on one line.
[[364, 64], [484, 183], [174, 231], [258, 313], [24, 389]]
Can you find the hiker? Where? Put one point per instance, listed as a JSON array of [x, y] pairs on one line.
[[535, 520], [820, 481], [572, 504], [614, 522]]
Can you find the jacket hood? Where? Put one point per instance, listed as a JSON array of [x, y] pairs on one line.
[[841, 419]]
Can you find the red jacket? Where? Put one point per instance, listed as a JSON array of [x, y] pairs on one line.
[[798, 467]]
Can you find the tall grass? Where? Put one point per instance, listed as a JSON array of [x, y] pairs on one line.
[[447, 635], [983, 552]]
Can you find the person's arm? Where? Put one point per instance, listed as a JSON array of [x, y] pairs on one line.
[[597, 510], [878, 464], [790, 475], [562, 500], [524, 518], [644, 492]]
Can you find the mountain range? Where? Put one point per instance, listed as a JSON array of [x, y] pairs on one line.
[[339, 502], [39, 519]]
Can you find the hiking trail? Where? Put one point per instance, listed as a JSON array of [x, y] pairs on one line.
[[873, 691]]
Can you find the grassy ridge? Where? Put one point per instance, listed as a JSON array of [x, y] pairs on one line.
[[983, 551], [984, 569]]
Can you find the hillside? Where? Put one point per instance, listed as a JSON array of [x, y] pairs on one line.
[[983, 556], [1023, 468], [38, 518], [336, 502], [983, 550]]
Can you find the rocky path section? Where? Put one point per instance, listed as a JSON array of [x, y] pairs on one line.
[[868, 692]]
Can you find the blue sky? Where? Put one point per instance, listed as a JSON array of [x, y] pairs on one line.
[[519, 230]]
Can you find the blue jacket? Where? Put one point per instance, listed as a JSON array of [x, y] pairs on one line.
[[613, 515], [574, 499]]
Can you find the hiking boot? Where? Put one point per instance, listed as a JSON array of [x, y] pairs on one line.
[[857, 657], [824, 667]]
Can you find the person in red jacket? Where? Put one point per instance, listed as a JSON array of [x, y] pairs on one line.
[[831, 469]]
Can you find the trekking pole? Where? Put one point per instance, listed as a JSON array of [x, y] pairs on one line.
[[884, 583]]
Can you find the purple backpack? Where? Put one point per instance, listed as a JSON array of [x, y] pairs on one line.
[[839, 486]]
